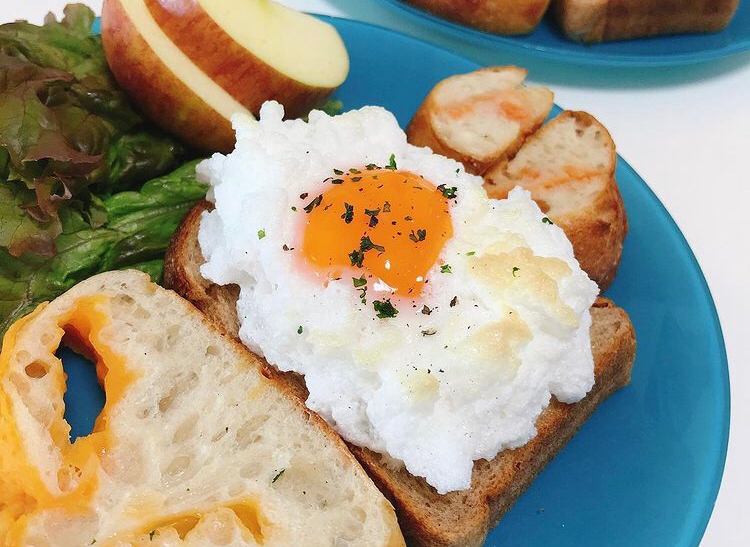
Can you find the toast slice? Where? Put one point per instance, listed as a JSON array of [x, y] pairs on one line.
[[591, 21], [569, 166], [428, 519], [480, 118], [198, 443], [497, 16]]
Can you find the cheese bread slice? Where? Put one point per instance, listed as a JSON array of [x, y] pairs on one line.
[[198, 443]]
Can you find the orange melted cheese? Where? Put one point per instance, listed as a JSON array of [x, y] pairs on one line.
[[21, 486], [24, 493], [389, 224], [507, 103], [245, 513]]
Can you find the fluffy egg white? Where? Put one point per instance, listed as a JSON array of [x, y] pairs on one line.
[[468, 362]]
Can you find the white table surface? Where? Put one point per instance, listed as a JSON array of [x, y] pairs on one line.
[[686, 130]]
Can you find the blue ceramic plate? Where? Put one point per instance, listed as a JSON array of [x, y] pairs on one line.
[[645, 469], [548, 41]]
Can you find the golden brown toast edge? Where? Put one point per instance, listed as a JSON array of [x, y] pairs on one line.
[[457, 519]]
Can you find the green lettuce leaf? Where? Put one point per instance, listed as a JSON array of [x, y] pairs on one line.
[[17, 224], [137, 232], [332, 107], [135, 157], [68, 133]]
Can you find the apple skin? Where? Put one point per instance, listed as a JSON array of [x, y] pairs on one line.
[[247, 78], [169, 102], [155, 89]]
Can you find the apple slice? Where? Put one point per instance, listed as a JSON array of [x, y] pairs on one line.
[[191, 64]]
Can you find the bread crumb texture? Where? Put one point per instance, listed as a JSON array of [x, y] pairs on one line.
[[195, 446]]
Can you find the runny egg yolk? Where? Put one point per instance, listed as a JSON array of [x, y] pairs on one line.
[[391, 224]]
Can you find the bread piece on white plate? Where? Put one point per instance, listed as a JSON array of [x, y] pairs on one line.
[[568, 166], [198, 443], [480, 118]]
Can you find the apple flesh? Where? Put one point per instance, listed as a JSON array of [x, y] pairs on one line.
[[191, 64]]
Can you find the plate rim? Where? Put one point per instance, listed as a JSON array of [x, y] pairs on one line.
[[574, 55]]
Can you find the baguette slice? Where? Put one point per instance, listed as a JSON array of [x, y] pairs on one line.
[[568, 166], [198, 443], [480, 118], [592, 21], [496, 16], [458, 519]]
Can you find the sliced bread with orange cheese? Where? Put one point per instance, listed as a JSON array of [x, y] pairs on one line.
[[198, 443]]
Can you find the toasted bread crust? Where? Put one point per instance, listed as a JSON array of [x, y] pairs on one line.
[[496, 16], [458, 519], [181, 274], [607, 20], [217, 302], [598, 234]]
